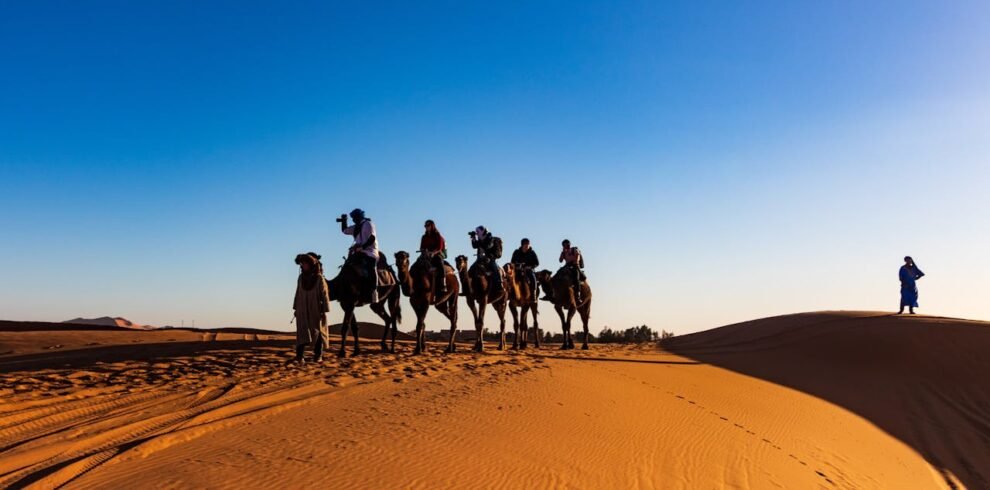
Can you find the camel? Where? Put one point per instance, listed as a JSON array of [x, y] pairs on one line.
[[475, 284], [345, 288], [522, 295], [559, 288], [417, 283]]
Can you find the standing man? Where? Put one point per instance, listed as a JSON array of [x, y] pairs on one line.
[[433, 244], [525, 259], [571, 257], [365, 251], [909, 275]]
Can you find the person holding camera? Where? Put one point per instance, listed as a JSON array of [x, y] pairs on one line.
[[364, 250], [484, 242]]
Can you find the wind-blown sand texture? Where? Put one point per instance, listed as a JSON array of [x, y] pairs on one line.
[[827, 400]]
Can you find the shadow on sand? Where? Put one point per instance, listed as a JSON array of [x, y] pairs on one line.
[[615, 359], [152, 351], [922, 380]]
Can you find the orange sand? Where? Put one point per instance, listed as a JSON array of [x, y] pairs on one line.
[[847, 400]]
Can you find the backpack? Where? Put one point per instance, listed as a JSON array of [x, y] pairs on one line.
[[496, 249]]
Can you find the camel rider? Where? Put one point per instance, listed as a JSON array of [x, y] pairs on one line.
[[524, 258], [484, 241], [364, 249], [434, 244], [574, 262]]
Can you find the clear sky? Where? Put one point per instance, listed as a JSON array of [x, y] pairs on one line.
[[716, 161]]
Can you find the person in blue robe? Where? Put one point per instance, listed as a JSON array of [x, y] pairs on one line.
[[909, 275]]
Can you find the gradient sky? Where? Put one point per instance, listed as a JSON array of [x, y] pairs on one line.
[[716, 161]]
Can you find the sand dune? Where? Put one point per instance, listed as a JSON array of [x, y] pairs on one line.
[[923, 380], [109, 321], [834, 400]]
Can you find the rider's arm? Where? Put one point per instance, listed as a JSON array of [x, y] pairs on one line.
[[561, 256], [536, 260]]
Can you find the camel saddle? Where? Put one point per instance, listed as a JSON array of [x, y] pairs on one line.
[[386, 275]]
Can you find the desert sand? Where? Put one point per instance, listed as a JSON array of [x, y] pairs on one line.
[[822, 400]]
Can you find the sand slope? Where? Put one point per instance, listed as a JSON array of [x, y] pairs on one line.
[[923, 380], [232, 414]]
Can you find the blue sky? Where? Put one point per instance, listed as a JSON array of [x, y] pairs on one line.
[[716, 162]]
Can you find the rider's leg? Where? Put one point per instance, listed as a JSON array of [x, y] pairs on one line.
[[440, 275], [533, 284], [371, 272], [577, 284], [496, 275], [318, 347]]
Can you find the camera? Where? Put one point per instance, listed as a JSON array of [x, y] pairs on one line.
[[472, 234], [342, 218]]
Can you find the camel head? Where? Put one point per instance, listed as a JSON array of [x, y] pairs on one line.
[[543, 277], [402, 260], [462, 262], [510, 271]]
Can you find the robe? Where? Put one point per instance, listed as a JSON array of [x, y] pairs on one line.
[[909, 286], [311, 307]]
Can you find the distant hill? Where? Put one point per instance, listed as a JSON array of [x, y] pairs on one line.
[[106, 321]]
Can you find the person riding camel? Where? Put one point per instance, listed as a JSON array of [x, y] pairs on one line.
[[573, 262], [364, 250], [524, 258], [484, 241], [434, 244]]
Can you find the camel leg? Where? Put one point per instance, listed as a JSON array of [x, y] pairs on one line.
[[421, 333], [501, 326], [354, 332], [536, 324], [515, 325], [451, 313], [479, 328], [500, 309], [523, 332], [344, 327], [420, 328], [584, 321], [563, 324], [394, 311], [379, 310], [570, 336]]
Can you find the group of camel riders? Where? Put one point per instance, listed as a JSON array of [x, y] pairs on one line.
[[365, 254]]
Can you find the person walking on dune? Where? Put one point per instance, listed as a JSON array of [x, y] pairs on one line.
[[909, 275], [311, 306]]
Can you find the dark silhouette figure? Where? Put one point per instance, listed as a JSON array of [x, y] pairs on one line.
[[310, 307], [909, 275]]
